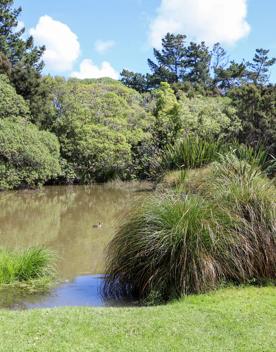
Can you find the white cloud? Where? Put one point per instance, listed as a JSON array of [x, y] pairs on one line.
[[62, 45], [102, 46], [213, 21], [20, 25], [89, 70]]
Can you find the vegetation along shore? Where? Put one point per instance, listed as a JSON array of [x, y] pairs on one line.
[[160, 185]]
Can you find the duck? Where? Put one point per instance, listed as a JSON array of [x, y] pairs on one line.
[[98, 226]]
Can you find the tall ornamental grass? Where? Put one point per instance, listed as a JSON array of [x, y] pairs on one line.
[[181, 243]]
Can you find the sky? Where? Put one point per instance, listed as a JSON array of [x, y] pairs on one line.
[[98, 38]]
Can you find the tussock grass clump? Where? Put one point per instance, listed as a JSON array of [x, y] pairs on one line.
[[257, 156], [191, 152], [25, 266], [165, 249], [181, 243], [247, 195]]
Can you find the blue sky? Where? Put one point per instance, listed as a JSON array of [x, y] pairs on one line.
[[92, 38]]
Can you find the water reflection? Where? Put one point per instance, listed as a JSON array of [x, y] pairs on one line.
[[62, 218], [84, 291]]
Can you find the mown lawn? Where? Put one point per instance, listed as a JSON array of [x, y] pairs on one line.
[[232, 319]]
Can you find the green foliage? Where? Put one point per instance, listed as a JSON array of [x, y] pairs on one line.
[[256, 108], [259, 68], [191, 152], [11, 104], [257, 156], [196, 66], [133, 80], [24, 266], [167, 124], [12, 45], [170, 60], [177, 244], [28, 157], [208, 117], [99, 123], [243, 191], [5, 65], [20, 59]]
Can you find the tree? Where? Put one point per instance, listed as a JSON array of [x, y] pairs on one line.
[[256, 108], [12, 105], [20, 58], [208, 117], [170, 60], [12, 45], [167, 125], [229, 77], [28, 157], [5, 65], [134, 80], [258, 70], [197, 64], [99, 124], [27, 164]]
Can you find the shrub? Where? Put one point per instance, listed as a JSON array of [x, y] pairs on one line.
[[25, 266], [28, 157]]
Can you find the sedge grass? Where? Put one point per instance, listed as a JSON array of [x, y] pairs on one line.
[[31, 268]]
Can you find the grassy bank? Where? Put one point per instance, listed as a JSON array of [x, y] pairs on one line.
[[31, 269], [232, 319]]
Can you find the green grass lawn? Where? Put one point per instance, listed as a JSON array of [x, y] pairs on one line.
[[232, 319]]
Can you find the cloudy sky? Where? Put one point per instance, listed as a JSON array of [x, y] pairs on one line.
[[98, 38]]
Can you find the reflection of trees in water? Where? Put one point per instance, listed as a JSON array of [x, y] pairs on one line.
[[62, 218], [79, 244], [30, 218]]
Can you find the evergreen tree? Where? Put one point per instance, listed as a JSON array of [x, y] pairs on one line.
[[24, 58], [258, 70], [134, 80], [5, 65], [197, 63], [229, 77], [12, 45], [170, 59]]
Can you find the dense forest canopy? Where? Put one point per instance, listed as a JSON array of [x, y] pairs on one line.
[[60, 130]]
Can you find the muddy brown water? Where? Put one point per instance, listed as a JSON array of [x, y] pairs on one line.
[[63, 218]]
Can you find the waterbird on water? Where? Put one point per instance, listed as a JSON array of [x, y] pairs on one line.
[[98, 226]]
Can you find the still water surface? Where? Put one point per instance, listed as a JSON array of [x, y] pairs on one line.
[[62, 218]]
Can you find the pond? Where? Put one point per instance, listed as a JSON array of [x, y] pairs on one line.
[[65, 218]]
